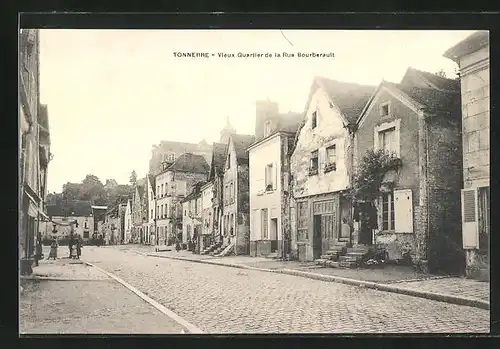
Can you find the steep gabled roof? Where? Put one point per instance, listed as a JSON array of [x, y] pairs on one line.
[[349, 97], [191, 163], [433, 80], [429, 99], [241, 144], [289, 122], [75, 208], [152, 181], [218, 157], [472, 43]]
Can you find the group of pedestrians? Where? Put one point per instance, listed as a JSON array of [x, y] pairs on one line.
[[74, 245]]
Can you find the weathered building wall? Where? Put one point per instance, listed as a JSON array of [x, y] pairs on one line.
[[265, 153], [475, 90], [330, 130], [243, 211], [408, 175], [444, 184], [207, 210]]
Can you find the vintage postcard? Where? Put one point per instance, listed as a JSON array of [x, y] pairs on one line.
[[254, 181]]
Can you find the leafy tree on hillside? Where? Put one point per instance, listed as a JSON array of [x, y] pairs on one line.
[[133, 178]]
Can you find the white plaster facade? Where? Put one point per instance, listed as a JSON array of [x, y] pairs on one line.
[[265, 201], [207, 194], [128, 222], [151, 230]]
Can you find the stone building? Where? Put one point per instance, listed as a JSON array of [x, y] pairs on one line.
[[236, 211], [321, 166], [173, 183], [169, 151], [418, 122], [128, 223], [269, 179], [151, 209], [34, 146], [192, 216], [207, 216], [139, 211], [473, 58], [62, 214]]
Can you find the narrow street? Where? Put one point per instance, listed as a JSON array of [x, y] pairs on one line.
[[221, 299]]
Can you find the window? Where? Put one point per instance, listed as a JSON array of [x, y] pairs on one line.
[[228, 160], [157, 211], [472, 141], [171, 157], [269, 177], [314, 119], [152, 214], [158, 190], [86, 225], [387, 140], [388, 221], [231, 192], [267, 128], [162, 192], [313, 167], [166, 210], [264, 224], [384, 109], [86, 234], [161, 211], [331, 158]]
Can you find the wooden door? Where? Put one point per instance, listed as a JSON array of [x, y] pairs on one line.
[[317, 237]]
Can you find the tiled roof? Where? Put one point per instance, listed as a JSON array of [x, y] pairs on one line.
[[191, 163], [241, 144], [218, 156], [440, 82], [350, 98], [152, 180], [468, 45], [289, 122], [430, 98], [75, 208]]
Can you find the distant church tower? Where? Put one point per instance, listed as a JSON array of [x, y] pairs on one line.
[[226, 132]]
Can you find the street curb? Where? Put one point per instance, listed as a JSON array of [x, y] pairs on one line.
[[44, 278], [440, 297], [190, 327]]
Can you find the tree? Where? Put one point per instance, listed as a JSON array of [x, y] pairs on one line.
[[441, 73], [133, 178]]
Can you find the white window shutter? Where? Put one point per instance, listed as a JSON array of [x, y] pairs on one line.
[[275, 169], [470, 226], [403, 211]]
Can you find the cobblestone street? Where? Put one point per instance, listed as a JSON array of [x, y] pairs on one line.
[[87, 301], [228, 300]]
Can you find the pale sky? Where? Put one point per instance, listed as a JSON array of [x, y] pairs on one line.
[[112, 94]]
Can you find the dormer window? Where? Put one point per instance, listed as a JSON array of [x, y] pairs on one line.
[[384, 109], [267, 128], [314, 119], [170, 157]]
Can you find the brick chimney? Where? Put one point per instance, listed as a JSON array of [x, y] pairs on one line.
[[264, 110]]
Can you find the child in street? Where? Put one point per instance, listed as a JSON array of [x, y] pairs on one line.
[[53, 250]]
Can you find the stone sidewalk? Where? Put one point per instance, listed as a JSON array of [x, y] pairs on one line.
[[399, 279], [69, 297]]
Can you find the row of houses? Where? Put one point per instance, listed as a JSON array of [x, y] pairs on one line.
[[399, 167], [34, 148]]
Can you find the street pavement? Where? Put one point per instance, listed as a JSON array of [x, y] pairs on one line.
[[219, 299], [87, 301]]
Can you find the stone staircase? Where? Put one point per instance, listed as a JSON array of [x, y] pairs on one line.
[[218, 250], [211, 248], [331, 257], [342, 257], [227, 251], [354, 257]]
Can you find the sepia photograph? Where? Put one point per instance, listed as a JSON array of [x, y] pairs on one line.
[[224, 181]]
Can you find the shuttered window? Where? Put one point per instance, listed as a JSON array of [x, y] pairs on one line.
[[469, 206], [388, 212]]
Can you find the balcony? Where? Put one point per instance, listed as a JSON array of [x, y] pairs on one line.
[[330, 167], [313, 171]]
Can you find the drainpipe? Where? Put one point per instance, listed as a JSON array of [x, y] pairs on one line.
[[427, 208]]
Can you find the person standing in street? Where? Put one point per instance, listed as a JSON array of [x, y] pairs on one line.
[[53, 250], [177, 245], [78, 247]]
